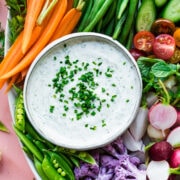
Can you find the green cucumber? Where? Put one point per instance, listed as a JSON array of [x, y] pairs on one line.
[[160, 3], [172, 11], [146, 15]]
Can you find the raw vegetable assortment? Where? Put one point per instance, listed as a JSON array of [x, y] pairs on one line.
[[151, 146]]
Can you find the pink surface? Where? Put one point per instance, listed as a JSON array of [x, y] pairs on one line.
[[13, 165]]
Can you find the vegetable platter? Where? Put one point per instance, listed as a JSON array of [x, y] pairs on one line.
[[149, 30]]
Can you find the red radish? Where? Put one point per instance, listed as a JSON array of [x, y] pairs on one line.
[[175, 158], [178, 119], [162, 116], [156, 134], [160, 151], [160, 170], [174, 137]]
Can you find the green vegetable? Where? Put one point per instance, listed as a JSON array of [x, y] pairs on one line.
[[20, 112], [160, 3], [98, 14], [133, 4], [172, 11], [29, 144], [49, 169], [59, 162], [2, 39], [38, 166], [3, 127], [146, 15], [122, 6], [17, 9]]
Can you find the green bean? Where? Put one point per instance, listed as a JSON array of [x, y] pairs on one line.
[[122, 8], [133, 4], [29, 144], [85, 15], [110, 14], [98, 28], [130, 39], [60, 162], [119, 26], [100, 13], [110, 28], [20, 112], [49, 170], [38, 167]]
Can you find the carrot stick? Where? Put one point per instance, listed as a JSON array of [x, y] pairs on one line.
[[12, 82], [15, 54], [24, 72], [49, 30], [33, 9], [70, 5], [68, 23]]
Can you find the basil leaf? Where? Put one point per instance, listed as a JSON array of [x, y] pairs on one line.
[[162, 69]]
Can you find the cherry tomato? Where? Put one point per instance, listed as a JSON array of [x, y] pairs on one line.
[[176, 36], [176, 56], [163, 26], [143, 41], [164, 46], [136, 53]]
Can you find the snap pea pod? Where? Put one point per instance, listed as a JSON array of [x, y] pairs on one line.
[[60, 163], [38, 166], [29, 144], [49, 169], [83, 155], [20, 112]]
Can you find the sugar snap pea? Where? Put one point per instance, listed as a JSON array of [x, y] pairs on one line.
[[60, 162], [29, 144], [20, 112], [38, 167], [49, 169]]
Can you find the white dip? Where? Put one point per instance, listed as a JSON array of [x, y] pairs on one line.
[[54, 115]]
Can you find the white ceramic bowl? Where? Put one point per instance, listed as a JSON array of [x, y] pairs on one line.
[[117, 89]]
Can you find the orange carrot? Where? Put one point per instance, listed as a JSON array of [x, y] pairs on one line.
[[24, 72], [68, 23], [70, 5], [33, 9], [12, 82], [15, 54], [49, 30]]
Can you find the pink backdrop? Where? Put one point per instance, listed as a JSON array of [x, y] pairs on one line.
[[13, 165]]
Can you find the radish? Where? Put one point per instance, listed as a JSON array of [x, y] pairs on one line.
[[175, 158], [151, 99], [139, 125], [156, 134], [174, 137], [160, 170], [178, 119], [160, 151], [162, 116], [0, 155]]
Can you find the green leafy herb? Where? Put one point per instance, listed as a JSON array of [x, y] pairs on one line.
[[3, 127]]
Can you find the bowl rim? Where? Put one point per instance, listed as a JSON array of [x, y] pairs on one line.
[[81, 35]]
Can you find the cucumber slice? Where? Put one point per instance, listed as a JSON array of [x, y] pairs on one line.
[[146, 15], [172, 11]]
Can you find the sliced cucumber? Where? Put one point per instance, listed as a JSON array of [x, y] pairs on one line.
[[172, 11], [146, 15], [160, 3]]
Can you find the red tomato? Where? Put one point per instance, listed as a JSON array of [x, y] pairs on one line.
[[163, 26], [164, 46], [143, 41], [136, 53]]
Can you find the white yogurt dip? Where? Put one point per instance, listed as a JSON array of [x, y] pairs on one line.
[[118, 88]]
